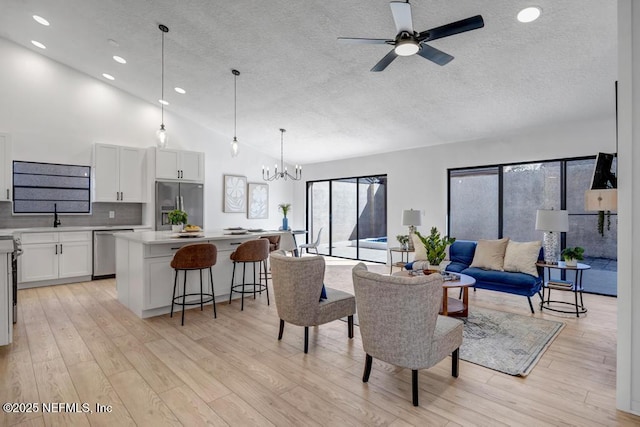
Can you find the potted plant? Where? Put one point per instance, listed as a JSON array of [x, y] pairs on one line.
[[403, 239], [435, 246], [285, 208], [177, 218], [572, 256]]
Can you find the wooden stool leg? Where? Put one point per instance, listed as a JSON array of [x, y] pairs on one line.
[[244, 270]]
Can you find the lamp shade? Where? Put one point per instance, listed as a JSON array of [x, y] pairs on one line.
[[552, 220], [411, 217]]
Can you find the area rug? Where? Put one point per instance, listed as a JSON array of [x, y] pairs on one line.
[[506, 342]]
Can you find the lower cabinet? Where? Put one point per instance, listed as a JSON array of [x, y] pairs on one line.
[[144, 277], [55, 255]]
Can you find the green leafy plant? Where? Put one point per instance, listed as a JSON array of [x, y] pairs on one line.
[[403, 239], [601, 215], [435, 245], [573, 253], [177, 217], [284, 208]]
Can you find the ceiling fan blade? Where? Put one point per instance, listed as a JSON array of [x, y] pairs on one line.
[[434, 55], [402, 16], [451, 29], [355, 40], [384, 62]]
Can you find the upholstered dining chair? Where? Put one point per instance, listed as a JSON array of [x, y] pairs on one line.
[[297, 286], [400, 324], [312, 245]]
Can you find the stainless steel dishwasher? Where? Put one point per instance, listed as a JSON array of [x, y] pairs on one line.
[[104, 252]]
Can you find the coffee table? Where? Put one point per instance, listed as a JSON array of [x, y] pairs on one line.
[[452, 306]]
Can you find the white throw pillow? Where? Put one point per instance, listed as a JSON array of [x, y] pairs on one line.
[[521, 257], [489, 254], [420, 253]]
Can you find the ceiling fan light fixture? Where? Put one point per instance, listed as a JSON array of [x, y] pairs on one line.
[[407, 47], [529, 14]]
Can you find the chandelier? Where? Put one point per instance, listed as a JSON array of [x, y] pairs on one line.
[[283, 173]]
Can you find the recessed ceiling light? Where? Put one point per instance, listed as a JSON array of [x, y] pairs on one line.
[[180, 90], [108, 76], [529, 14], [41, 20], [38, 44], [119, 59], [163, 102]]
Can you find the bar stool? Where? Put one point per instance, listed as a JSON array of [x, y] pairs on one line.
[[253, 251], [274, 245], [198, 256]]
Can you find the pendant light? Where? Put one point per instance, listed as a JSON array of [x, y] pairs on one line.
[[161, 133], [283, 170], [234, 143]]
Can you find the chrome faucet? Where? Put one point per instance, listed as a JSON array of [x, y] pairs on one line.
[[56, 220]]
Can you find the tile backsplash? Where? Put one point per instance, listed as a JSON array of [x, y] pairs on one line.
[[125, 214]]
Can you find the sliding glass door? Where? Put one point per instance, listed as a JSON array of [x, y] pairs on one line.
[[501, 201], [352, 213]]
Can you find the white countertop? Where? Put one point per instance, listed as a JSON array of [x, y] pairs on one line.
[[73, 228], [160, 237]]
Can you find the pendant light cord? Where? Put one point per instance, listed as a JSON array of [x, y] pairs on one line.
[[164, 29], [235, 73]]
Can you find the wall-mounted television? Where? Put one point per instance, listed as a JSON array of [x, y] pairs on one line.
[[604, 173]]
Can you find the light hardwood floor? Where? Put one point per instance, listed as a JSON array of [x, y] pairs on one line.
[[76, 343]]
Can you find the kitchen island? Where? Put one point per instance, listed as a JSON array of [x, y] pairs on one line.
[[144, 277]]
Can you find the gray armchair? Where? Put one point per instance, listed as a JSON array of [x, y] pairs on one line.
[[400, 324], [297, 285]]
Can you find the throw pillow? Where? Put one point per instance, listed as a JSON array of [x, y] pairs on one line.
[[521, 257], [490, 254], [420, 253], [323, 293]]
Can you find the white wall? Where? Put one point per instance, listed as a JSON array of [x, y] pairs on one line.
[[55, 114], [418, 178]]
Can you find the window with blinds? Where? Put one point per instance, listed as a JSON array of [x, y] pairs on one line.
[[48, 187]]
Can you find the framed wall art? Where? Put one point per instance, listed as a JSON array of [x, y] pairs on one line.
[[258, 201], [235, 199]]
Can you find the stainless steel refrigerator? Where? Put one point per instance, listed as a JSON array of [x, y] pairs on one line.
[[179, 195]]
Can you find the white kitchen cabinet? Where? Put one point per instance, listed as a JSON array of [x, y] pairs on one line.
[[179, 165], [55, 257], [5, 167], [6, 292], [119, 173]]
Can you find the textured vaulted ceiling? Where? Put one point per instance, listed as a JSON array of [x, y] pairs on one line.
[[505, 77]]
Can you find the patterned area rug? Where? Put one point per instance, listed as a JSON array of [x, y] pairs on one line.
[[506, 342]]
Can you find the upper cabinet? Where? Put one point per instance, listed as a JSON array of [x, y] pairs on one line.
[[119, 173], [5, 168], [179, 165]]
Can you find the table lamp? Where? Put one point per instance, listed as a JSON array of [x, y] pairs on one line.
[[412, 219], [552, 222]]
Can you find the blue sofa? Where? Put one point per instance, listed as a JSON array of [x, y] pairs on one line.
[[461, 255]]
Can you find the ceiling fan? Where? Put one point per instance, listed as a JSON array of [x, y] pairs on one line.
[[408, 42]]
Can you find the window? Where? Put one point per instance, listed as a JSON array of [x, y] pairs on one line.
[[47, 187], [501, 201]]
